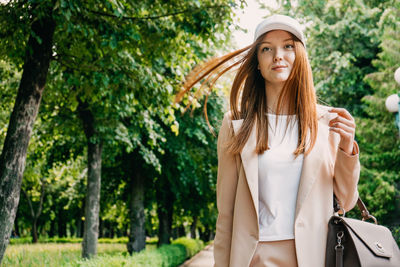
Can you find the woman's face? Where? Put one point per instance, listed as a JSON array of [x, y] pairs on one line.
[[275, 56]]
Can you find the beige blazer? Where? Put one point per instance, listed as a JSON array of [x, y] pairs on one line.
[[326, 169]]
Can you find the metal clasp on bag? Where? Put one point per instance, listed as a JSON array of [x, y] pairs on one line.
[[367, 216], [339, 236], [343, 211]]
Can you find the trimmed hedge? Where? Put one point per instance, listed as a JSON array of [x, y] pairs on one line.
[[28, 240], [192, 245], [164, 256]]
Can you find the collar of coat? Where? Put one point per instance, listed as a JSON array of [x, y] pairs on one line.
[[307, 178]]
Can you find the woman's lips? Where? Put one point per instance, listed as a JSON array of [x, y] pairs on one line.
[[279, 67]]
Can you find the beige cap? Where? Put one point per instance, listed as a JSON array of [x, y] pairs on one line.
[[280, 22]]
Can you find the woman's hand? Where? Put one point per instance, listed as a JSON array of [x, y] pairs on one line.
[[344, 125]]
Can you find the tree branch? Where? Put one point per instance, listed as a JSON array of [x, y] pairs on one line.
[[29, 203], [42, 189], [154, 16]]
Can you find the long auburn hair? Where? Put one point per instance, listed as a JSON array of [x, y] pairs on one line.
[[248, 98]]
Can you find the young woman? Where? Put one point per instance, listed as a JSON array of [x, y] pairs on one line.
[[281, 157]]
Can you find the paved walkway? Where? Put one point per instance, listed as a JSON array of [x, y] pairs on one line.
[[204, 258]]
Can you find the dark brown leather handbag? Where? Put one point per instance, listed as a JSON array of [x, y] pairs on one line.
[[353, 243]]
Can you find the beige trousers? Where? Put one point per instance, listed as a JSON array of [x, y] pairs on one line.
[[280, 253]]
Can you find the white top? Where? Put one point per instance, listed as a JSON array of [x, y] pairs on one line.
[[278, 180]]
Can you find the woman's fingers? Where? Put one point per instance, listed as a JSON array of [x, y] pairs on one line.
[[339, 119], [342, 112], [344, 125], [343, 133]]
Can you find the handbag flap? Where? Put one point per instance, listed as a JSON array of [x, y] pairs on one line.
[[376, 237]]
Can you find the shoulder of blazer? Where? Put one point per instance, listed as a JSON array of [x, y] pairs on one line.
[[323, 114], [322, 110]]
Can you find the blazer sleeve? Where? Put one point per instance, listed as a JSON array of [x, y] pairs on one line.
[[346, 176], [226, 192]]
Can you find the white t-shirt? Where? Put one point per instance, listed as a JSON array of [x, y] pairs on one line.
[[278, 180]]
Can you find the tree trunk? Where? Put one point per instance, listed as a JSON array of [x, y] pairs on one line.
[[137, 234], [34, 232], [62, 226], [165, 211], [52, 228], [112, 231], [72, 229], [164, 230], [35, 214], [92, 204], [16, 226], [78, 227], [13, 157], [193, 227], [101, 228], [79, 222]]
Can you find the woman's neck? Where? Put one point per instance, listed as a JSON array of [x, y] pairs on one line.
[[273, 91]]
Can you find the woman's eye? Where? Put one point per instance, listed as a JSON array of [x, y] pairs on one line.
[[264, 49], [289, 46]]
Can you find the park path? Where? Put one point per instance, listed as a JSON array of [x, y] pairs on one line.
[[204, 258]]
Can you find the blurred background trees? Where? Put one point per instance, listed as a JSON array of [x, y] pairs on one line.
[[109, 99]]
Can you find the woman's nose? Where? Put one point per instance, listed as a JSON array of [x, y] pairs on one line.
[[277, 57]]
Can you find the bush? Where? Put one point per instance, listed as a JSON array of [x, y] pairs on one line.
[[396, 234], [28, 240], [53, 254], [110, 254], [61, 240], [165, 256], [192, 245], [120, 240], [21, 240]]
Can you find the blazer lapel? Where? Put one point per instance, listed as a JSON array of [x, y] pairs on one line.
[[307, 178], [250, 161], [308, 174]]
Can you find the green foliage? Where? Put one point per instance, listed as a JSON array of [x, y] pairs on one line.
[[192, 245], [343, 40], [190, 165], [21, 240], [9, 78], [378, 136], [396, 234], [125, 59], [121, 240]]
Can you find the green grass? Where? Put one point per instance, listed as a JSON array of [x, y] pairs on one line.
[[52, 254], [109, 254], [165, 256]]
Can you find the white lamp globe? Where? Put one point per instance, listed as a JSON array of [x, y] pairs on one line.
[[392, 102], [397, 75]]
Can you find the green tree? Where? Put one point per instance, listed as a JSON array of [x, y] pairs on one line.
[[37, 59], [102, 48], [378, 139]]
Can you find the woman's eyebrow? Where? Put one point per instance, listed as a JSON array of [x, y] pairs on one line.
[[266, 42]]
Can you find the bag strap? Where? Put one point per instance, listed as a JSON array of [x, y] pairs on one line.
[[364, 211]]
